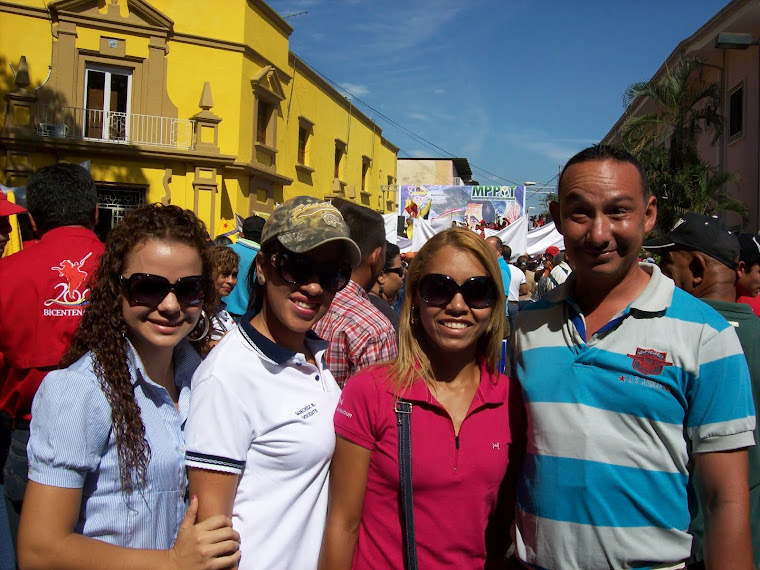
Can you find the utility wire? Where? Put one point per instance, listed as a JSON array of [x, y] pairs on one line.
[[404, 129]]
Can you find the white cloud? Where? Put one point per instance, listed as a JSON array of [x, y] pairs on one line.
[[559, 151], [419, 117], [355, 89], [439, 91]]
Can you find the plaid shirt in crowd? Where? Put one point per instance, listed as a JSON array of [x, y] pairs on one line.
[[358, 333]]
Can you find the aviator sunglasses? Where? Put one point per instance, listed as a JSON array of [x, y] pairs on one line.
[[298, 269], [438, 290], [397, 270], [149, 290]]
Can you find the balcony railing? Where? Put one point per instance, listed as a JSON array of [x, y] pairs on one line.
[[114, 127]]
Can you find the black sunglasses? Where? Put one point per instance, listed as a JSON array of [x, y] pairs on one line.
[[437, 289], [149, 290], [298, 269], [397, 270]]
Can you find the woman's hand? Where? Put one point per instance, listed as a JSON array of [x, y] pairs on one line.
[[211, 544]]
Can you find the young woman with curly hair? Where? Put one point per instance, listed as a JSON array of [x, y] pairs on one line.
[[467, 424], [224, 273], [107, 474]]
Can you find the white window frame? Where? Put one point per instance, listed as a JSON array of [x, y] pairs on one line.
[[105, 127]]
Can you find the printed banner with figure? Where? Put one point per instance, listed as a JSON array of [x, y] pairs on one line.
[[468, 204]]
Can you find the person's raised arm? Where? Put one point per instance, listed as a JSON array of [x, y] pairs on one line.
[[47, 539], [348, 484], [725, 497]]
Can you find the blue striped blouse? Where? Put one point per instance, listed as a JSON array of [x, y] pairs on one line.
[[72, 445]]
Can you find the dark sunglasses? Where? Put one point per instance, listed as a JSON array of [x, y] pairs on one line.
[[437, 289], [298, 269], [149, 290], [397, 270]]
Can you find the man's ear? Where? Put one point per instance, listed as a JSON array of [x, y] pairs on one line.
[[34, 225], [698, 268], [554, 211], [376, 257], [741, 269]]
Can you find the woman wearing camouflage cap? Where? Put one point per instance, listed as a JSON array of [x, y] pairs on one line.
[[260, 434]]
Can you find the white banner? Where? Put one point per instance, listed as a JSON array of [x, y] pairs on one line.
[[541, 238]]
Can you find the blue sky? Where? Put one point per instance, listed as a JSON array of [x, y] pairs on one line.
[[515, 86]]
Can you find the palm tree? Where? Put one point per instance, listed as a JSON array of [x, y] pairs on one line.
[[685, 107]]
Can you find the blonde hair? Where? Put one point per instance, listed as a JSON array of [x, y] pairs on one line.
[[413, 361]]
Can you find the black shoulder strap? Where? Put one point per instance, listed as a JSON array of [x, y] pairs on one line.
[[404, 417]]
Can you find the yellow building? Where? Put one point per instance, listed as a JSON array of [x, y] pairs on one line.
[[195, 103]]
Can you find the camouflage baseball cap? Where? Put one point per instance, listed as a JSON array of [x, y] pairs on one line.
[[304, 223]]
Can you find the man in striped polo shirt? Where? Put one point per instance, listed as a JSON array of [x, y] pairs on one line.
[[646, 382]]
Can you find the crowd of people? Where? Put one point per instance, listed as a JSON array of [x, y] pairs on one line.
[[171, 402]]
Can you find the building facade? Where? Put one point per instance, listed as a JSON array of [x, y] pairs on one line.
[[441, 171], [198, 104], [729, 46]]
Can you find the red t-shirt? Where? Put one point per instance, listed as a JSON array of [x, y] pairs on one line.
[[42, 298], [753, 302], [456, 480]]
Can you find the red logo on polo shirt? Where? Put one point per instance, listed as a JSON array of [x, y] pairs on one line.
[[649, 361], [72, 291]]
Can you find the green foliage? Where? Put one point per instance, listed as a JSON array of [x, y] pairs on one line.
[[686, 107]]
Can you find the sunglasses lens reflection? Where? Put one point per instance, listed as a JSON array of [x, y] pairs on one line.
[[299, 269], [477, 292]]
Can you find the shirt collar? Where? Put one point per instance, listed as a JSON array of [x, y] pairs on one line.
[[272, 350], [490, 390], [248, 242], [353, 288], [70, 231], [186, 360], [656, 297]]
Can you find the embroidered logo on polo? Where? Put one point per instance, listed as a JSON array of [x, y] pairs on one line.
[[307, 411], [72, 290], [649, 361]]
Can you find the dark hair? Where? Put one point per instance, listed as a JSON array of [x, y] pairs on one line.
[[61, 194], [256, 289], [392, 251], [499, 243], [102, 330], [605, 152], [366, 226], [222, 240], [506, 253]]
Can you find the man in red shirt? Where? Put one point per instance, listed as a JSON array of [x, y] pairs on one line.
[[7, 208], [44, 291], [748, 272]]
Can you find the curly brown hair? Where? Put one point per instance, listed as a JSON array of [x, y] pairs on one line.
[[102, 330], [223, 260]]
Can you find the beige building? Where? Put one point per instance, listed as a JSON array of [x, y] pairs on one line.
[[434, 171], [729, 45]]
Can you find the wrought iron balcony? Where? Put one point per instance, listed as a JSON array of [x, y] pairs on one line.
[[114, 127]]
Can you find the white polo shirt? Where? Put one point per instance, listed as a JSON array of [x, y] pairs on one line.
[[265, 414], [517, 278]]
